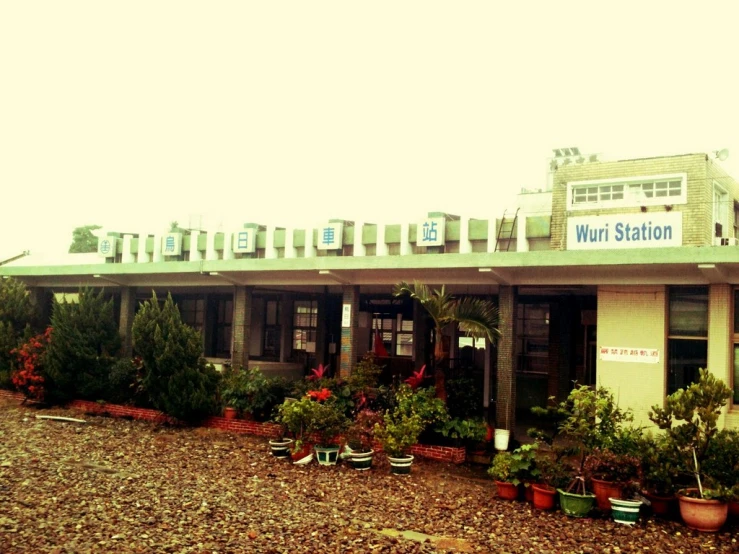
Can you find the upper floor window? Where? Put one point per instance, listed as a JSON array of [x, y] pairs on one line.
[[305, 325], [639, 191]]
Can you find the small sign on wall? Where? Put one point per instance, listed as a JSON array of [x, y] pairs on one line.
[[346, 315], [106, 247], [633, 355], [172, 244], [330, 236], [430, 232]]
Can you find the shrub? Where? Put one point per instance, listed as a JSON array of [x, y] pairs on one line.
[[28, 378], [83, 348], [124, 383], [249, 391], [17, 320], [176, 379]]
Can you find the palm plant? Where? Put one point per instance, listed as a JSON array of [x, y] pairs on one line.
[[476, 317]]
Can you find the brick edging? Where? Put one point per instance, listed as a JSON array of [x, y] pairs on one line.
[[449, 454]]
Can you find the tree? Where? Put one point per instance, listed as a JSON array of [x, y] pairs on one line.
[[176, 376], [83, 241], [83, 347], [17, 317], [476, 317]]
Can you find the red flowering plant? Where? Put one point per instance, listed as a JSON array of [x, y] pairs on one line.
[[320, 395], [28, 378]]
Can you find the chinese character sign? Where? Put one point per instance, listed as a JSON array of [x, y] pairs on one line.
[[633, 355], [172, 244], [106, 247], [430, 232], [330, 236], [244, 241]]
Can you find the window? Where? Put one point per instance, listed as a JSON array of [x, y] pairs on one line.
[[688, 336], [720, 210], [192, 311], [305, 323], [532, 338], [660, 189], [223, 329], [396, 333]]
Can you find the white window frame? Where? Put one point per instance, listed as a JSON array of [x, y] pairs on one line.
[[721, 204], [628, 200]]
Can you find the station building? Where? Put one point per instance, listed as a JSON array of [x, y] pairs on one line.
[[623, 274]]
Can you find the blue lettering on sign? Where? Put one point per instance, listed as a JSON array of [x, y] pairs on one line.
[[429, 232], [623, 232], [328, 235], [169, 244]]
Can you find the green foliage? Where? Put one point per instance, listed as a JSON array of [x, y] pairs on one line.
[[553, 470], [124, 383], [83, 348], [721, 464], [690, 418], [413, 411], [471, 430], [83, 241], [249, 391], [663, 466], [501, 468], [366, 374], [464, 397], [305, 417], [17, 318], [361, 433], [176, 378]]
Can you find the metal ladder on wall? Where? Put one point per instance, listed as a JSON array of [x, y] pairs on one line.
[[510, 234]]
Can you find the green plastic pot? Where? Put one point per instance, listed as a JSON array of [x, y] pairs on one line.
[[576, 505]]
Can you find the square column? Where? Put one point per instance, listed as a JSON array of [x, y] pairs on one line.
[[505, 404], [241, 326], [349, 330], [125, 322]]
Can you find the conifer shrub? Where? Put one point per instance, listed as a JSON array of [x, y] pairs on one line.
[[176, 377], [83, 348], [17, 322]]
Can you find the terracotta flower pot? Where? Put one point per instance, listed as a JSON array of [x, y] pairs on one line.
[[604, 490], [662, 506], [701, 514], [506, 491], [229, 412], [544, 496]]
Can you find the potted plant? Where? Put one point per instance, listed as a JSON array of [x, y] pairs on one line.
[[326, 423], [721, 465], [661, 473], [413, 411], [689, 419], [611, 474], [501, 471], [553, 474], [525, 471], [295, 416], [250, 393], [360, 438]]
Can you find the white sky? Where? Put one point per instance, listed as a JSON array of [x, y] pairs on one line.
[[133, 114]]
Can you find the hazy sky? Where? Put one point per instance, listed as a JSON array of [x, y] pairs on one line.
[[133, 114]]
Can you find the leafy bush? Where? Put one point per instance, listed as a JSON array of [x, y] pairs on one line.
[[469, 430], [250, 391], [464, 397], [502, 466], [124, 383], [177, 379], [83, 348]]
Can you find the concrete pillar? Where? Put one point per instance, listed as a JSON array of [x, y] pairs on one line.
[[522, 243], [270, 252], [228, 252], [465, 246], [157, 255], [142, 256], [290, 251], [492, 234], [195, 254], [127, 256], [210, 246], [310, 248], [241, 326], [405, 241], [359, 248], [505, 407], [125, 323], [381, 247], [349, 330]]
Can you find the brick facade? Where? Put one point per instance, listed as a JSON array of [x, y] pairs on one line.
[[505, 403], [241, 326]]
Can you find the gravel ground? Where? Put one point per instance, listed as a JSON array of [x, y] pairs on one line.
[[125, 486]]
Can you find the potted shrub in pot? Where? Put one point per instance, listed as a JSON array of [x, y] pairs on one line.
[[689, 418], [250, 393], [326, 424], [502, 473], [662, 475], [610, 474], [295, 416], [360, 439], [553, 474]]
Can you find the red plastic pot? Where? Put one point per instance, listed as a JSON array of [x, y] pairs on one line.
[[507, 491], [544, 496]]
